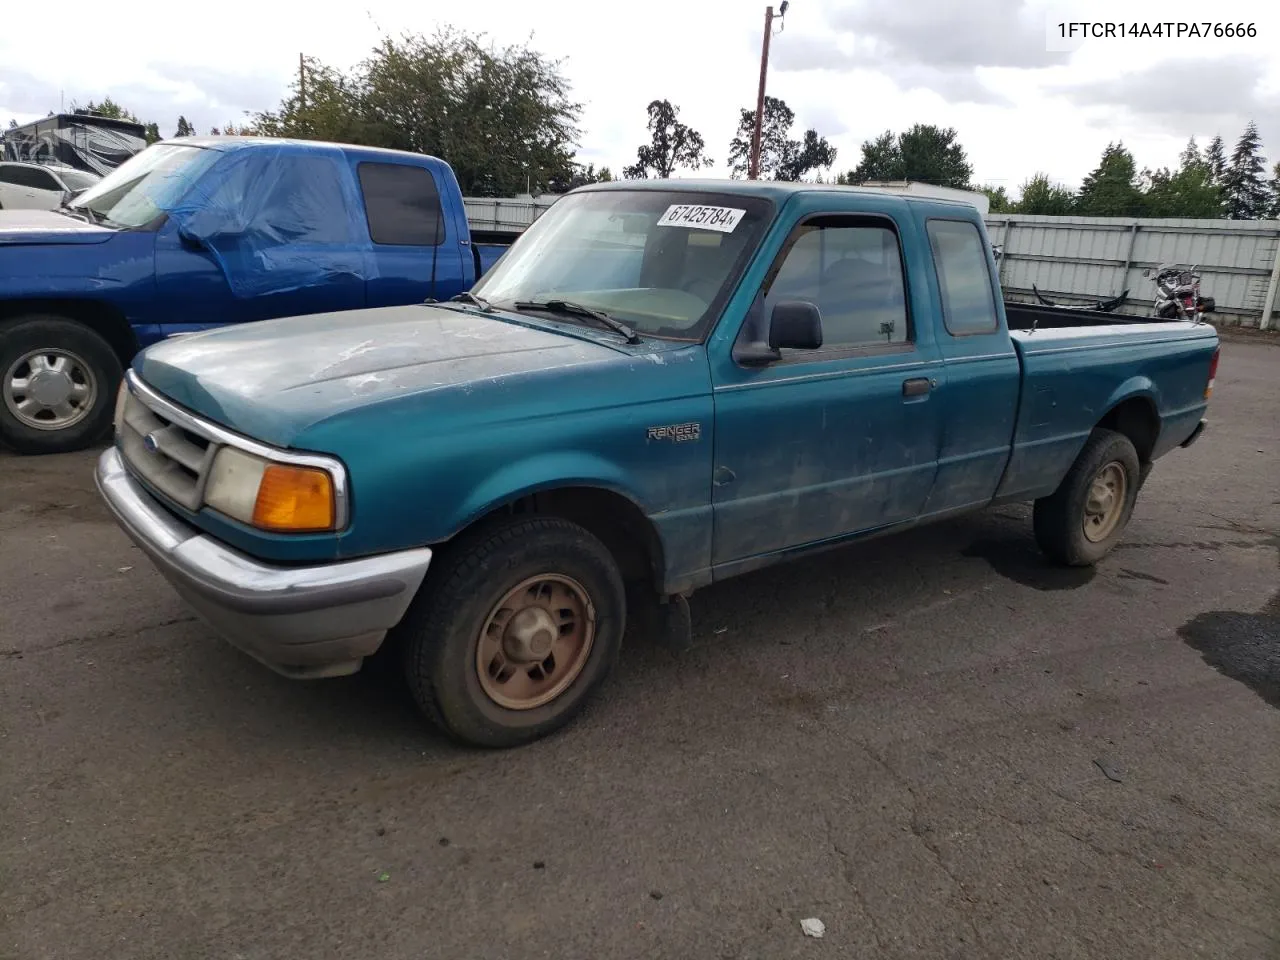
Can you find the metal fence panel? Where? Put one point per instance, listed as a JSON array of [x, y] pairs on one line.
[[1075, 259], [502, 215]]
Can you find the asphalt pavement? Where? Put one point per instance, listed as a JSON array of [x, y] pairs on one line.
[[936, 744]]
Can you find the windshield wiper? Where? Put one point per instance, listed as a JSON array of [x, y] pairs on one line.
[[569, 308], [468, 297]]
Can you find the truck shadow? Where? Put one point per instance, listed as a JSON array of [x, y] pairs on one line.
[[849, 590]]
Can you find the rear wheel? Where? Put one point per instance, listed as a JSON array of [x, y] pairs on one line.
[[1083, 520], [58, 381], [523, 623]]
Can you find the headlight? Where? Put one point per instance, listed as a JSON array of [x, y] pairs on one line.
[[281, 497]]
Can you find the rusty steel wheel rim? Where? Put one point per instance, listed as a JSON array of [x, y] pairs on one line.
[[535, 641], [1105, 504]]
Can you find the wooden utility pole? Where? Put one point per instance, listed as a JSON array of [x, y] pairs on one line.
[[753, 164]]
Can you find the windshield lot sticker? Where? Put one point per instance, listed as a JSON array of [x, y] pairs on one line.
[[677, 432], [722, 219]]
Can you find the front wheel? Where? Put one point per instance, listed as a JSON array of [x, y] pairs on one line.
[[509, 642], [58, 381], [1082, 521]]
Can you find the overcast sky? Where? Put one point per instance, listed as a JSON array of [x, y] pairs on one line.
[[850, 68]]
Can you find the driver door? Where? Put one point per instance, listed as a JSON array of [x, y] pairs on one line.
[[822, 444]]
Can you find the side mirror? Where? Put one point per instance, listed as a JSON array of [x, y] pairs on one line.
[[793, 325]]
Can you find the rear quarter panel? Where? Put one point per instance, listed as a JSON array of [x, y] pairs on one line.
[[1073, 378]]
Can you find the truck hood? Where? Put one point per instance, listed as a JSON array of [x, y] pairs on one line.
[[273, 379], [21, 227]]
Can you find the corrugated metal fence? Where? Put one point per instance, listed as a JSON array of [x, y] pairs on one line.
[[502, 215], [1074, 259]]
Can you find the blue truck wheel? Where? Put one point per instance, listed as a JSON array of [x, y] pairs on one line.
[[58, 381]]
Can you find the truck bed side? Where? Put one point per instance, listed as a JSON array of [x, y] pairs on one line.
[[1148, 379]]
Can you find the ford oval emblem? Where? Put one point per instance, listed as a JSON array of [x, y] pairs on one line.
[[151, 443]]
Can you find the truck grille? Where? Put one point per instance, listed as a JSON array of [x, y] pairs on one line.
[[170, 456]]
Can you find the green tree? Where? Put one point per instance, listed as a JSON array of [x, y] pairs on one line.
[[1245, 194], [671, 145], [579, 176], [1111, 190], [1215, 155], [881, 160], [1042, 197], [998, 199], [110, 109], [185, 129], [501, 115], [1187, 192], [12, 123], [781, 158], [925, 154], [1274, 187]]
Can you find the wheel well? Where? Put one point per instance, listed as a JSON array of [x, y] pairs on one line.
[[103, 319], [1136, 418], [617, 522]]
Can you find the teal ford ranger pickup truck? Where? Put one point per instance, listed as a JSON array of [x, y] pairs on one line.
[[661, 385]]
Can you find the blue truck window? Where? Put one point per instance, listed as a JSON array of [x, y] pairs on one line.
[[402, 204], [852, 272], [964, 279]]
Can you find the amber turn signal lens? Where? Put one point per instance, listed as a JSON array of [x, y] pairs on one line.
[[294, 499]]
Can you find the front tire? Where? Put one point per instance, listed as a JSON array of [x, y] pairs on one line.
[[58, 381], [1083, 520], [522, 626]]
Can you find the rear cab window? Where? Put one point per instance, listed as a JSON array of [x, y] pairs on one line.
[[964, 278], [402, 204]]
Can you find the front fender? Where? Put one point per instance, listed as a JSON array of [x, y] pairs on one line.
[[543, 472]]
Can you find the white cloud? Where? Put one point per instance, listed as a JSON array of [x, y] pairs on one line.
[[852, 69]]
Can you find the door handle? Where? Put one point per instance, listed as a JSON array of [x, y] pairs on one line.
[[916, 387]]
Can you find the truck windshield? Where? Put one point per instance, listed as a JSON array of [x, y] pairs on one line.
[[662, 262], [144, 186]]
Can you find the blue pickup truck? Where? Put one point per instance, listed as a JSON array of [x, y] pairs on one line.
[[201, 232], [662, 385]]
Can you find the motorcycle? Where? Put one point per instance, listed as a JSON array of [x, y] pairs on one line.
[[1178, 293]]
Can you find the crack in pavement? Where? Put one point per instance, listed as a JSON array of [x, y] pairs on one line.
[[19, 652], [920, 831], [847, 872]]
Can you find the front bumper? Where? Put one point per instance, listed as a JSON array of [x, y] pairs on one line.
[[311, 621]]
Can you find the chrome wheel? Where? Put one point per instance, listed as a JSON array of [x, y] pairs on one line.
[[1105, 505], [49, 389], [535, 642]]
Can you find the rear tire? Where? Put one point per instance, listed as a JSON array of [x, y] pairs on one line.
[[475, 641], [58, 382], [1083, 520]]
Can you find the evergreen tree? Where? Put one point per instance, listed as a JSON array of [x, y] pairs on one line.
[[1215, 156], [1188, 192], [1274, 212], [1111, 190], [1245, 194]]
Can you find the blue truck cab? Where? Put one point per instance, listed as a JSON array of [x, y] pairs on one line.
[[662, 385], [202, 232]]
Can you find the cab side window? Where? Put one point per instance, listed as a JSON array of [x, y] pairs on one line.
[[964, 277], [851, 270]]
